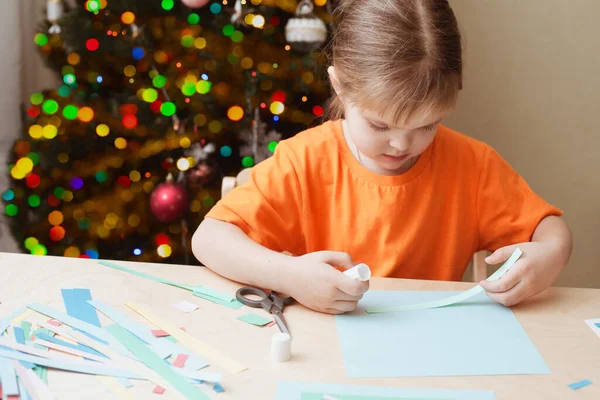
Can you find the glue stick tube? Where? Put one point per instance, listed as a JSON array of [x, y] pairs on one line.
[[281, 347], [360, 272]]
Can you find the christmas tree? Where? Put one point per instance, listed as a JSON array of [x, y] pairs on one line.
[[161, 99]]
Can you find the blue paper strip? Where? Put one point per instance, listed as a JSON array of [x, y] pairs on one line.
[[79, 346], [580, 384], [597, 324], [76, 304], [20, 338], [8, 377], [68, 366]]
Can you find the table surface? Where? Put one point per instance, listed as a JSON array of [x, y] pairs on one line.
[[554, 320]]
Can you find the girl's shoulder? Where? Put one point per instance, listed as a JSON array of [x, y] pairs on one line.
[[451, 143]]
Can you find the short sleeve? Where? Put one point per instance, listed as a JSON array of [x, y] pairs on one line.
[[508, 210], [268, 207]]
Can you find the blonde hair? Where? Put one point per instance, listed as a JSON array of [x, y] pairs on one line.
[[401, 56]]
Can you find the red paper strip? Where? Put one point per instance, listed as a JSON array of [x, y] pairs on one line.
[[182, 328], [270, 323], [180, 360], [54, 322], [159, 333]]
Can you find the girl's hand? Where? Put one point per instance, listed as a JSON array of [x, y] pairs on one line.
[[316, 284], [533, 272]]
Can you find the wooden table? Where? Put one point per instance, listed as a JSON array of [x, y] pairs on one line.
[[554, 320]]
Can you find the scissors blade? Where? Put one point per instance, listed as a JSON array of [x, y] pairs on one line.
[[279, 318]]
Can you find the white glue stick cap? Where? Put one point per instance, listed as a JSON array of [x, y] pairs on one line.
[[360, 272], [281, 347]]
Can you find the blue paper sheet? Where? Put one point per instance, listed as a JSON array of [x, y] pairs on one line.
[[295, 390], [476, 337]]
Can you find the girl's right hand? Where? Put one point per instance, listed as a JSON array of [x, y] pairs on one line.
[[315, 283]]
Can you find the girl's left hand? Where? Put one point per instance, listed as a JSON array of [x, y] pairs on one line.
[[533, 272]]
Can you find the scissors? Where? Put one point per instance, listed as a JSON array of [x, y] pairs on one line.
[[272, 303]]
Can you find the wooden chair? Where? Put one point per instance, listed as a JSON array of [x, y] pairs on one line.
[[479, 266]]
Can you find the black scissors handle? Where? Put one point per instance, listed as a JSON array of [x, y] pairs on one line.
[[242, 293]]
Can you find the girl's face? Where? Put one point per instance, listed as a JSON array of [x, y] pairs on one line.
[[384, 148]]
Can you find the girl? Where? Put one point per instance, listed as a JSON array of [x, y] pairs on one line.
[[387, 184]]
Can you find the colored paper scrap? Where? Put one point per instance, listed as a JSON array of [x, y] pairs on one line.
[[580, 384], [158, 390], [160, 333], [70, 350], [458, 298], [300, 391], [82, 367], [20, 338], [80, 347], [180, 360], [54, 322], [8, 376], [153, 361], [33, 384], [416, 336], [76, 304], [137, 329], [232, 304], [594, 325], [255, 319], [26, 326], [218, 388], [189, 341], [185, 306], [145, 275]]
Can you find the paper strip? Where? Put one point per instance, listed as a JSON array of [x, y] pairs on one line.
[[198, 346], [20, 338], [70, 350], [114, 386], [99, 333], [456, 298], [160, 333], [5, 322], [254, 319], [34, 385], [137, 329], [84, 349], [580, 384], [26, 326], [180, 360], [77, 306], [594, 325], [8, 376], [158, 390], [321, 396], [199, 291], [153, 361], [126, 383], [85, 368]]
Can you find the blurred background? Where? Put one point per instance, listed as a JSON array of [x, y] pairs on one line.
[[121, 117]]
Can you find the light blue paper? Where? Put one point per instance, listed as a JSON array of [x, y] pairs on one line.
[[78, 346], [294, 390], [5, 321], [76, 304], [8, 377], [476, 337], [20, 338], [580, 384]]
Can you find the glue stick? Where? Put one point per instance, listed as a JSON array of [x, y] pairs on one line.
[[360, 272]]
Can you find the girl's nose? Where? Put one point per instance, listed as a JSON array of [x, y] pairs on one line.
[[401, 143]]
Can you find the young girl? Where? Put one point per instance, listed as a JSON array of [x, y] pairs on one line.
[[387, 185]]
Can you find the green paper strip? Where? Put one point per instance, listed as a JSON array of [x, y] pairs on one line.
[[199, 291], [255, 319], [234, 305], [153, 361], [26, 326], [325, 396], [456, 298]]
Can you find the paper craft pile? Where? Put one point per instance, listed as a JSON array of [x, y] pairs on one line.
[[38, 337]]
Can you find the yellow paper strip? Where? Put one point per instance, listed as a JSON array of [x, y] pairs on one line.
[[115, 387], [202, 349]]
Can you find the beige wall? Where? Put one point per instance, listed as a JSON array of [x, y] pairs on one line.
[[532, 91]]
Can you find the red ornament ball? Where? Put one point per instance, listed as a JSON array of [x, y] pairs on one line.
[[168, 201], [195, 3]]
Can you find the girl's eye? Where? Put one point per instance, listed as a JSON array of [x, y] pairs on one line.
[[378, 128], [429, 127]]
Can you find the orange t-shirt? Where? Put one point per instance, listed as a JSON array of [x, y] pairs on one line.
[[459, 197]]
